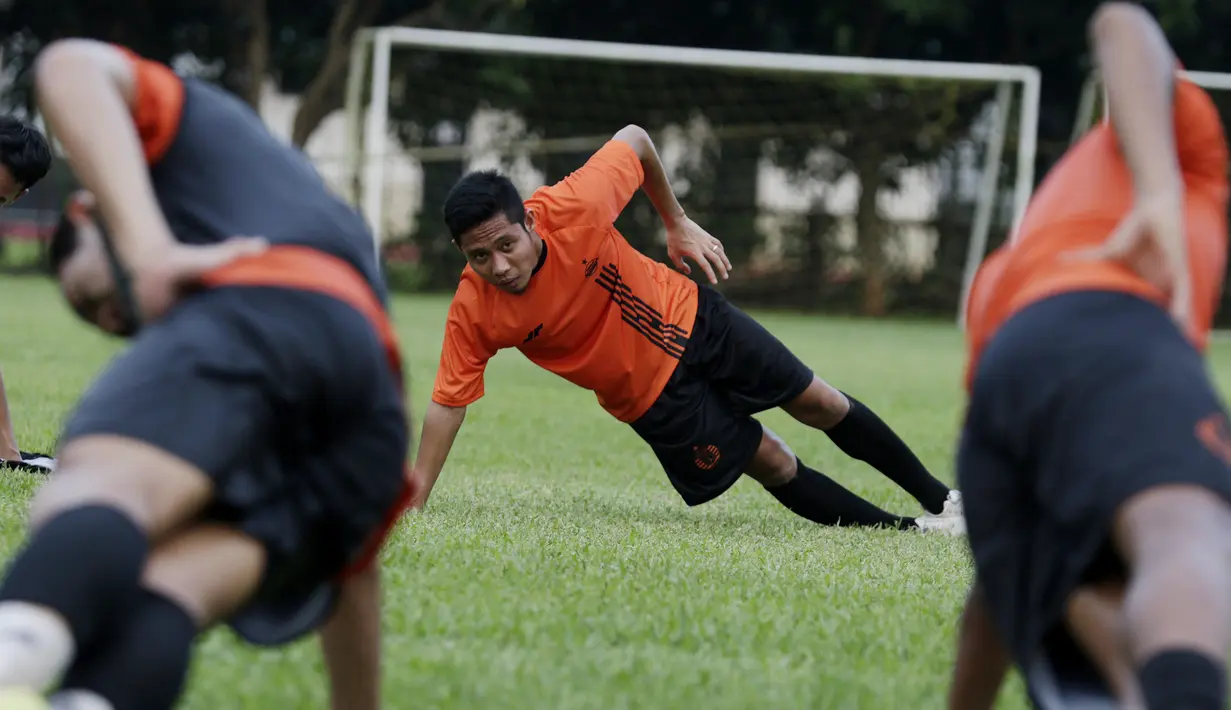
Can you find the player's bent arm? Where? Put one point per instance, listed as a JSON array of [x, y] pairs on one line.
[[1138, 72], [86, 93], [440, 427], [656, 184], [350, 643], [982, 659]]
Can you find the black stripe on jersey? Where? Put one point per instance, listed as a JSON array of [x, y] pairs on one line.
[[643, 317]]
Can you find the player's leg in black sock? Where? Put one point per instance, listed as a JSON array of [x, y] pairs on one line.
[[79, 569], [1177, 542], [1183, 680], [863, 436], [141, 664], [811, 494]]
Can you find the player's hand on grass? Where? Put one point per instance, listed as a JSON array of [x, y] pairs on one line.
[[687, 240], [1152, 241], [159, 279]]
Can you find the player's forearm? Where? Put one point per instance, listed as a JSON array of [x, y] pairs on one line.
[[350, 642], [440, 427], [8, 440], [1138, 71], [656, 184], [85, 93], [982, 660]]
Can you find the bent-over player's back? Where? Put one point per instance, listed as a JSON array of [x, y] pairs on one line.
[[1082, 200], [218, 172]]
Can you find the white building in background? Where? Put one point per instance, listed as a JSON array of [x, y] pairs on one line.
[[327, 150]]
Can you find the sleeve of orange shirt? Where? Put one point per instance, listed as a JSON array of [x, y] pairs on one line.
[[1200, 139], [464, 355], [157, 105], [597, 192]]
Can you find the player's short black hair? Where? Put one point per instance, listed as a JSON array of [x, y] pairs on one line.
[[62, 245], [478, 197], [24, 151]]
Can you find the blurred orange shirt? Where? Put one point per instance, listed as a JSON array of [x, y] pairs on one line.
[[1084, 197], [598, 313]]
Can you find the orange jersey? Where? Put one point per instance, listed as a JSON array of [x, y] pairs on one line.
[[598, 313], [1084, 197]]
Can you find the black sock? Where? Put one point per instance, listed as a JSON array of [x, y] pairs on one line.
[[84, 563], [1183, 680], [822, 500], [143, 662], [864, 437]]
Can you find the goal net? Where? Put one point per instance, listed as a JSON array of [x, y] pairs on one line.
[[842, 182]]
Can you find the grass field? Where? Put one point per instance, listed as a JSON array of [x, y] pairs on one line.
[[556, 568]]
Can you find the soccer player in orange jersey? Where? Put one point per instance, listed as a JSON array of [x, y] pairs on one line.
[[552, 277], [1095, 455]]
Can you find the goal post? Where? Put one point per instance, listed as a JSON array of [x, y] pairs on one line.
[[1093, 103], [1010, 91]]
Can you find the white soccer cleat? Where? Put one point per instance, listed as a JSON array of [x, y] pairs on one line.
[[951, 520]]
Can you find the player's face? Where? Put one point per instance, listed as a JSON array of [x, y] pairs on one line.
[[86, 279], [10, 189], [502, 252]]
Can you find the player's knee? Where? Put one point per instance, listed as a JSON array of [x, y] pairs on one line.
[[156, 490], [821, 405], [774, 463]]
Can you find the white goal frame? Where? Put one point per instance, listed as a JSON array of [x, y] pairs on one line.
[[1090, 96], [367, 139]]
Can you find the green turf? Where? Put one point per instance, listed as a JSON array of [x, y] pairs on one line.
[[556, 568]]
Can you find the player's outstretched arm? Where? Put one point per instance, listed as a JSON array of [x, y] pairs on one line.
[[350, 643], [982, 660], [657, 185], [87, 94], [8, 439], [440, 427], [685, 238], [1138, 70]]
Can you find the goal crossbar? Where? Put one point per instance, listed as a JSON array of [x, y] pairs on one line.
[[367, 138], [1090, 96]]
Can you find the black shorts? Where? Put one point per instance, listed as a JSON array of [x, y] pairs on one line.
[[285, 399], [1079, 402], [701, 426]]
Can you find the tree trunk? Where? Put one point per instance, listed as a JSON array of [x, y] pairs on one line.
[[247, 63], [816, 254], [870, 237], [324, 94]]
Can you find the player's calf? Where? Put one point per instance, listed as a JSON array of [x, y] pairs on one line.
[[863, 436], [192, 581], [91, 530], [1095, 617], [810, 494], [1177, 542]]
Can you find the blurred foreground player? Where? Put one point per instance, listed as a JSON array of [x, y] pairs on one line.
[[25, 158], [553, 278], [1095, 455], [242, 461]]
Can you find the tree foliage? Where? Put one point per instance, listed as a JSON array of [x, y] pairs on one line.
[[869, 128]]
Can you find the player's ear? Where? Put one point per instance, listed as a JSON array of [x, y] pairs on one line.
[[528, 222]]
